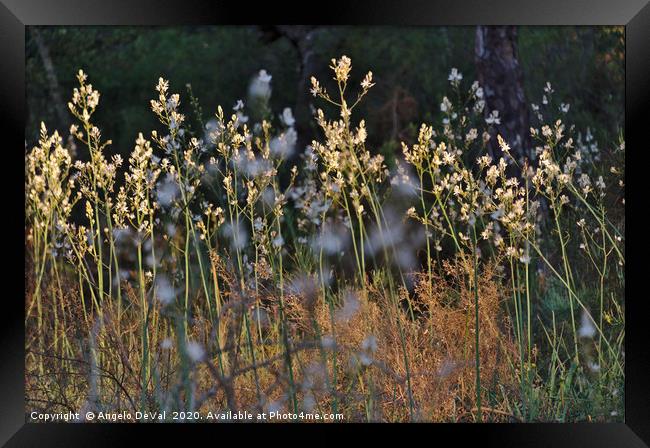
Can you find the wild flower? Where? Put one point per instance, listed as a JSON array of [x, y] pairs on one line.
[[587, 328], [493, 118], [287, 117], [195, 351], [455, 77], [350, 307], [164, 290], [260, 86]]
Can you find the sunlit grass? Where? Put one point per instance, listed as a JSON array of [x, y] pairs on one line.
[[218, 271]]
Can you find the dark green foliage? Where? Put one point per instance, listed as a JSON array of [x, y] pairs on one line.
[[585, 65]]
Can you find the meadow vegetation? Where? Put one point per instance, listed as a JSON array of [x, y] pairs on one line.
[[221, 267]]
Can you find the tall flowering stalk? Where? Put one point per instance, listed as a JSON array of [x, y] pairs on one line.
[[136, 206], [96, 179], [49, 199], [351, 175]]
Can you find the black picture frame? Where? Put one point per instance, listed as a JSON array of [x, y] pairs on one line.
[[16, 14]]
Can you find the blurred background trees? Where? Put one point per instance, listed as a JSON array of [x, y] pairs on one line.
[[585, 66]]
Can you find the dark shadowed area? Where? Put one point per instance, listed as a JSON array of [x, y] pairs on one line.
[[585, 66]]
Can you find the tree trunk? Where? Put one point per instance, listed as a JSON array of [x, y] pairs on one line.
[[50, 73], [309, 66], [500, 75], [302, 39]]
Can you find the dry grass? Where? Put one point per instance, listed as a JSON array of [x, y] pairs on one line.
[[371, 377]]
